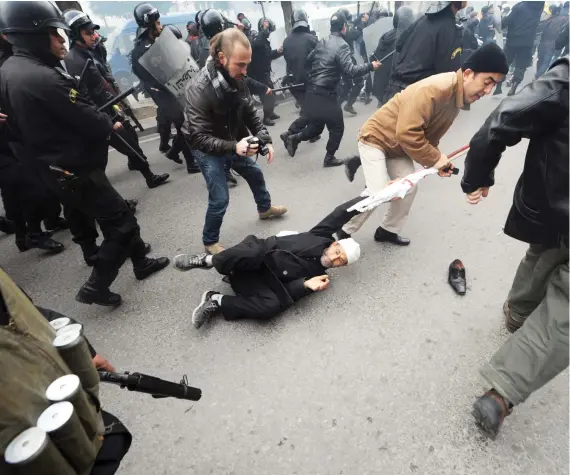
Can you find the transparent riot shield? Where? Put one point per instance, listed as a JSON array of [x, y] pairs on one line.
[[170, 63], [372, 34]]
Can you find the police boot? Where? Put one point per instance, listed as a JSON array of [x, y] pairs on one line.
[[284, 136], [513, 89], [88, 294], [90, 251], [350, 109], [332, 161], [172, 154], [164, 132], [292, 143], [44, 242], [7, 226], [149, 266]]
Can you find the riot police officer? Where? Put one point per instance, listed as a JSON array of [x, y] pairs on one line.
[[169, 110], [260, 68], [100, 87], [432, 45], [296, 48], [328, 61], [60, 128]]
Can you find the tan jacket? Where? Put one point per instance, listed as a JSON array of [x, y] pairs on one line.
[[413, 121]]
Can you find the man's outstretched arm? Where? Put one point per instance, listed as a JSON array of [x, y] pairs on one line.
[[336, 220]]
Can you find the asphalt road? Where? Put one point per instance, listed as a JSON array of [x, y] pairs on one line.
[[376, 375]]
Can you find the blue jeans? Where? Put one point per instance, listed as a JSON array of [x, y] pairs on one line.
[[213, 169]]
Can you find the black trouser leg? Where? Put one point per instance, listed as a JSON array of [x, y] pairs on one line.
[[344, 88], [267, 101], [302, 121], [357, 84], [315, 117], [129, 135], [179, 143], [163, 123], [246, 256], [522, 60]]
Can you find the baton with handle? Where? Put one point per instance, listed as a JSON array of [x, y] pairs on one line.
[[284, 88]]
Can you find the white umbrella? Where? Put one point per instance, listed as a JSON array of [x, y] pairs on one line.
[[399, 188]]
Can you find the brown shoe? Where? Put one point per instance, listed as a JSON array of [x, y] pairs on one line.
[[273, 212], [511, 323], [214, 249]]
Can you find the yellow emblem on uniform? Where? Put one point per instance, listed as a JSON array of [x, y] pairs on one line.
[[456, 52], [73, 95]]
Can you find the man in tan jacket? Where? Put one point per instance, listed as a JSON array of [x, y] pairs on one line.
[[408, 129]]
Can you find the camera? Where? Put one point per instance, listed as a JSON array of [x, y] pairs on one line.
[[261, 140]]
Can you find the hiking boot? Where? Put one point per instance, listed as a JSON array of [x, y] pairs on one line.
[[351, 166], [332, 161], [490, 411], [213, 249], [90, 295], [206, 309], [350, 109], [186, 262], [273, 212], [156, 180]]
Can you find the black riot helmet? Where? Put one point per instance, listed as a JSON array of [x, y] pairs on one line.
[[145, 16], [212, 22], [174, 30], [436, 7], [299, 18], [262, 21], [77, 21], [347, 15], [26, 25], [338, 21]]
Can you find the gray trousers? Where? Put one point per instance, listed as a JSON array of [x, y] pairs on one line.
[[538, 351]]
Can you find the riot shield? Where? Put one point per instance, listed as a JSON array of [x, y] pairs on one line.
[[372, 34], [170, 63]]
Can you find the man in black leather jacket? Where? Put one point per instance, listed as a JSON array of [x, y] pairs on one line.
[[99, 86], [329, 60], [58, 127], [537, 305], [220, 117]]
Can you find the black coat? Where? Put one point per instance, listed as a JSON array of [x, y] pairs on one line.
[[50, 119], [540, 113], [329, 60], [522, 23], [382, 75], [286, 262], [296, 48], [261, 57], [94, 80], [432, 45], [216, 120], [551, 29]]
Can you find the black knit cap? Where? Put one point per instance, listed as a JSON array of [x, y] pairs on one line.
[[338, 20], [487, 59]]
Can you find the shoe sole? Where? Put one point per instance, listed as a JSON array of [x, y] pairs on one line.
[[90, 302], [198, 308], [185, 270], [482, 422]]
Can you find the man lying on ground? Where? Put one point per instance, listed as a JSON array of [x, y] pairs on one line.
[[270, 275]]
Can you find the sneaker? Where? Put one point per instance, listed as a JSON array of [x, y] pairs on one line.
[[207, 308], [213, 249], [185, 262], [273, 212]]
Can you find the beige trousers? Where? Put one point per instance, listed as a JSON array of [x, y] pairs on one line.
[[378, 171]]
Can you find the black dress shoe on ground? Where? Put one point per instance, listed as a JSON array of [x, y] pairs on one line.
[[351, 166], [381, 235], [157, 180], [186, 262], [268, 122], [205, 310], [89, 295], [193, 169], [315, 139], [457, 278], [54, 225], [490, 411], [332, 161], [230, 179], [349, 109], [172, 155], [7, 226], [42, 241], [274, 116], [150, 267]]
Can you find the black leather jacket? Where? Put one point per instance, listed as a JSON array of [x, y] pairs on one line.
[[216, 120], [329, 60], [261, 56], [540, 113], [296, 48]]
